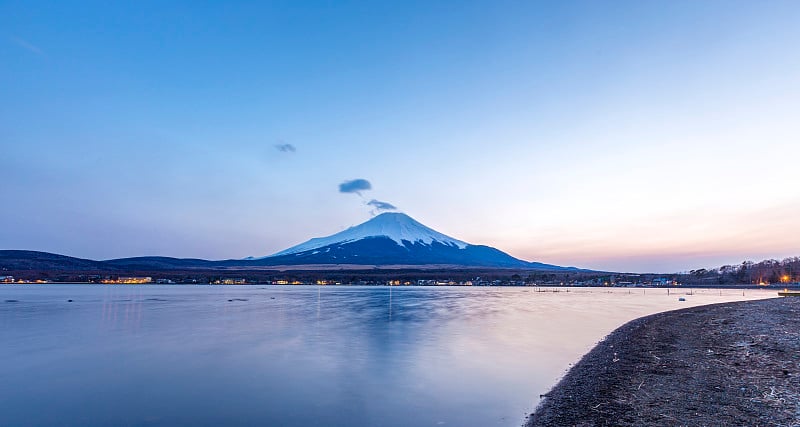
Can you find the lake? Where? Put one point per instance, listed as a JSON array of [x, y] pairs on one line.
[[301, 355]]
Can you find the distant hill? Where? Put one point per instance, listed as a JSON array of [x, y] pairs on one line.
[[44, 261]]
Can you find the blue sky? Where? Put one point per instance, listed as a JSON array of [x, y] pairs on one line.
[[638, 136]]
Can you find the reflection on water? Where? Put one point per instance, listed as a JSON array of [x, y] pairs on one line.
[[299, 356]]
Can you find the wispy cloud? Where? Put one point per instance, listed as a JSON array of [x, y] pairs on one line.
[[355, 186], [285, 148], [27, 45], [381, 206]]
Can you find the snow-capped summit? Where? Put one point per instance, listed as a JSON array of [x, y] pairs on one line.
[[399, 227]]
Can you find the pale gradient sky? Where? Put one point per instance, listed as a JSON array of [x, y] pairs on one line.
[[629, 136]]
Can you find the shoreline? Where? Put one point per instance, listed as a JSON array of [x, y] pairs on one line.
[[720, 364]]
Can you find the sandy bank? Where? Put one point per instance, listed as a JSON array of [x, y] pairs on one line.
[[723, 364]]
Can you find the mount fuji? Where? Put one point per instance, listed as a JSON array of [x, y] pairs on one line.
[[389, 240], [396, 239]]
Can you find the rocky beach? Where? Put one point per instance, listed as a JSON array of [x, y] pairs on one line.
[[722, 364]]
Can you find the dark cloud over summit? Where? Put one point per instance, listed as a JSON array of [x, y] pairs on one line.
[[355, 186]]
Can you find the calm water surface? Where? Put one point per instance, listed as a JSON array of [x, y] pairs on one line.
[[299, 356]]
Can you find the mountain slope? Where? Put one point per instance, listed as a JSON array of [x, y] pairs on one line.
[[381, 250]]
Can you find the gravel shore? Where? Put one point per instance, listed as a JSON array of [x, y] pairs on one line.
[[732, 364]]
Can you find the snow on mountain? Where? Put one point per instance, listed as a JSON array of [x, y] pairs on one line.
[[399, 227]]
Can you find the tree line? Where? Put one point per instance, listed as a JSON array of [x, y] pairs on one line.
[[771, 271]]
